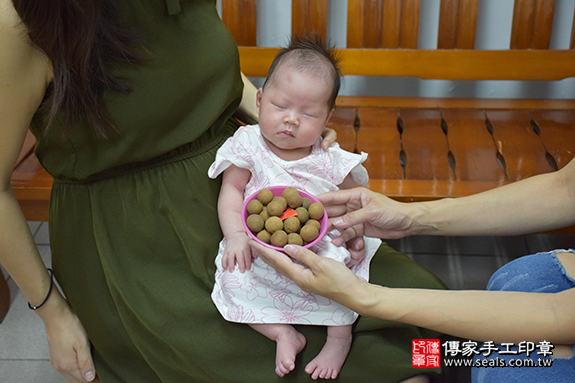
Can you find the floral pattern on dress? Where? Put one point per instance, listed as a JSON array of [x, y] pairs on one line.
[[261, 294]]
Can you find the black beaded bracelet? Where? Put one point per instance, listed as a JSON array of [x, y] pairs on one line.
[[49, 292]]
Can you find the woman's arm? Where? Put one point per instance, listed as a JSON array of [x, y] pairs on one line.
[[542, 202], [230, 204], [247, 111], [24, 75], [498, 316]]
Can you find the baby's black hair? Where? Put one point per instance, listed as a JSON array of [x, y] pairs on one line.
[[311, 54]]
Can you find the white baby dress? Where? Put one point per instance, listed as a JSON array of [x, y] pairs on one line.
[[261, 294]]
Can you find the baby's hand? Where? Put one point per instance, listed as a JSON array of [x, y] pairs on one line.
[[237, 251], [356, 248]]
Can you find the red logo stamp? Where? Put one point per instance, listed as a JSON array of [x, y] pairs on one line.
[[426, 353]]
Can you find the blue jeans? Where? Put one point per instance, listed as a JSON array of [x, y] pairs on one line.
[[541, 273]]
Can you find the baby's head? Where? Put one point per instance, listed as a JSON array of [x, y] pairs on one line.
[[311, 56], [298, 97]]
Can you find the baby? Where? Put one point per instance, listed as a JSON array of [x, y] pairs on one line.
[[294, 106]]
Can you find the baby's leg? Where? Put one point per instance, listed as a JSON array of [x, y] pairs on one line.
[[327, 364], [289, 344]]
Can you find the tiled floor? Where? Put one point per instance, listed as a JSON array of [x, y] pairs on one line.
[[461, 262]]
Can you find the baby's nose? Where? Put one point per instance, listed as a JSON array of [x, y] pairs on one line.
[[291, 118]]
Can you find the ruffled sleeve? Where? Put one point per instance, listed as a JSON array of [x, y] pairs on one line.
[[238, 150], [344, 163]]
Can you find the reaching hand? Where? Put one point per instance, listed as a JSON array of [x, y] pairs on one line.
[[359, 212], [317, 275]]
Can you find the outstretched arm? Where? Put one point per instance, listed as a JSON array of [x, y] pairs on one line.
[[497, 316], [542, 202]]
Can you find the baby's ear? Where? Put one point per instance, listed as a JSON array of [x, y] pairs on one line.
[[329, 115], [259, 97]]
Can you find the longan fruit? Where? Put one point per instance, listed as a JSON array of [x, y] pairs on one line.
[[282, 200], [279, 238], [309, 233], [316, 210], [295, 239], [275, 208], [255, 223], [264, 236], [254, 207], [302, 214], [306, 202], [274, 224], [264, 213], [314, 223], [288, 191], [294, 201], [292, 197], [292, 225], [265, 196]]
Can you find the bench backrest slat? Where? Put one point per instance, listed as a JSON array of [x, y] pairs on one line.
[[383, 24], [240, 16], [382, 40], [457, 24], [532, 24], [309, 16]]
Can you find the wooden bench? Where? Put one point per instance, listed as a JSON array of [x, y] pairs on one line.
[[419, 148], [430, 148]]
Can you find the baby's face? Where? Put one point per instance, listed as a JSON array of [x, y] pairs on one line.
[[293, 111]]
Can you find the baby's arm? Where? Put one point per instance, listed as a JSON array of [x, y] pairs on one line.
[[230, 204], [355, 246]]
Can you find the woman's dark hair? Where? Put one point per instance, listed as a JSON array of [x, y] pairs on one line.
[[81, 38]]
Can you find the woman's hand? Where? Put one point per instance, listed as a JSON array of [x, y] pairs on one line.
[[318, 275], [359, 212], [329, 137], [69, 345]]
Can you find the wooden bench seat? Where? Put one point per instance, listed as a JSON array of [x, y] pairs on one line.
[[451, 151]]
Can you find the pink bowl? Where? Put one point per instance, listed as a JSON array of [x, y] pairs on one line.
[[277, 191]]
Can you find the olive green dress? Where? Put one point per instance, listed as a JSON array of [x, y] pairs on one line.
[[134, 229]]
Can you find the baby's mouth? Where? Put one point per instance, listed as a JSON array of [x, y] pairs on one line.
[[286, 133]]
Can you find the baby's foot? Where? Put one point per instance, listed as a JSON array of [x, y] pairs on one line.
[[327, 364], [288, 346]]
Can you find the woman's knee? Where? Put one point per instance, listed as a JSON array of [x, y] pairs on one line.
[[541, 272]]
